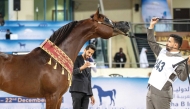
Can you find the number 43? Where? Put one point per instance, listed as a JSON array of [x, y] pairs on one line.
[[159, 65]]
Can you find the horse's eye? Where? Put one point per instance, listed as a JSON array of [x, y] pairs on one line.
[[108, 21]]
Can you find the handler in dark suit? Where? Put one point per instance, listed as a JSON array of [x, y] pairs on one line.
[[80, 89]]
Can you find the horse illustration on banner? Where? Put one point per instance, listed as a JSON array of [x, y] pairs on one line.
[[102, 93], [22, 45], [53, 30], [20, 25]]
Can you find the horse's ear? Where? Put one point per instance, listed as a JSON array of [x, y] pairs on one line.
[[97, 12], [96, 15]]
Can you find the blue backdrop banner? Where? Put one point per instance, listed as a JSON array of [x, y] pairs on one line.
[[31, 29], [19, 45], [36, 23], [10, 46], [29, 32], [109, 93]]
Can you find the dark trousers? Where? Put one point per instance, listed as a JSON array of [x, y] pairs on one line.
[[120, 65], [7, 36], [80, 100]]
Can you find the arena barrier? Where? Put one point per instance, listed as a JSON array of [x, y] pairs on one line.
[[130, 93]]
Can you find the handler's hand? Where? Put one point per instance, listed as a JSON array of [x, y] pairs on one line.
[[153, 21], [86, 64], [188, 62], [92, 100]]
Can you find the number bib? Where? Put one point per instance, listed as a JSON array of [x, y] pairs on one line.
[[163, 69]]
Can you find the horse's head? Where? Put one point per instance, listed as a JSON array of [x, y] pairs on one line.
[[106, 28], [71, 37], [95, 86]]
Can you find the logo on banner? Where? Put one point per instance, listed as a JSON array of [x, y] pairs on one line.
[[3, 30], [101, 93], [22, 45], [53, 30], [43, 25], [20, 25]]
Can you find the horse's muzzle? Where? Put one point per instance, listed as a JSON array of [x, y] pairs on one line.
[[122, 26]]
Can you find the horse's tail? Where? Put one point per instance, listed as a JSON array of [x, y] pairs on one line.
[[114, 91]]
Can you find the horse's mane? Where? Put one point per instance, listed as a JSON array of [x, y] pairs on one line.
[[61, 34], [57, 37]]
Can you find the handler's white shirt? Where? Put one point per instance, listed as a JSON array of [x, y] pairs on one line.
[[163, 69]]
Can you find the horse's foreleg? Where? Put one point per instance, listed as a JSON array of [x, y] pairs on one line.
[[51, 101], [100, 98], [59, 103]]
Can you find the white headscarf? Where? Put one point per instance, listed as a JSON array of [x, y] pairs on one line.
[[143, 58]]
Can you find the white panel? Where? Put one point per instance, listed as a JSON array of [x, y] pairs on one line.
[[181, 3], [27, 10], [12, 13]]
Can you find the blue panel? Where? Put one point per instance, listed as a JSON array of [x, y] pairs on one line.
[[35, 23], [29, 32], [19, 45]]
